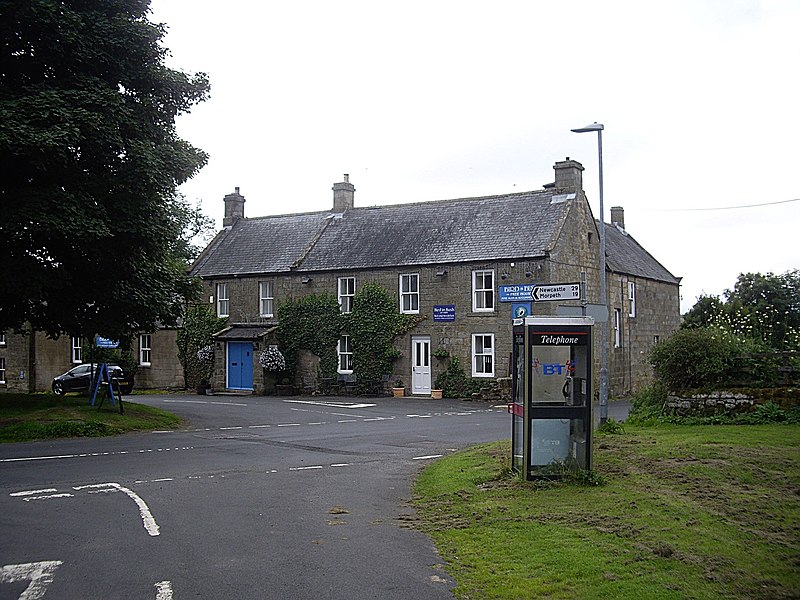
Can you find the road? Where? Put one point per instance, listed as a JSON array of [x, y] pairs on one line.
[[260, 497]]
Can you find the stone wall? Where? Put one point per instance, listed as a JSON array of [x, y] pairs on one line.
[[730, 402]]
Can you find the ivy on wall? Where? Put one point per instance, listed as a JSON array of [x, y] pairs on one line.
[[196, 346], [373, 325], [314, 323]]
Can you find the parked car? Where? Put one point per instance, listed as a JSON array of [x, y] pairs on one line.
[[78, 379]]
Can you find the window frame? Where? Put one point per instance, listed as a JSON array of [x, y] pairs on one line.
[[349, 294], [266, 298], [490, 354], [632, 299], [617, 328], [145, 350], [219, 288], [347, 351], [483, 292], [411, 294], [3, 342], [2, 370], [76, 351]]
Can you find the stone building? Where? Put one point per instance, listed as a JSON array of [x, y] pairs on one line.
[[450, 261], [28, 362]]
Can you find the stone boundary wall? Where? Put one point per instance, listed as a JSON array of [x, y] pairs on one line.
[[730, 402]]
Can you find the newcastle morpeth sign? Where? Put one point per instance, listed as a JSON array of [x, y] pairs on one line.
[[540, 292]]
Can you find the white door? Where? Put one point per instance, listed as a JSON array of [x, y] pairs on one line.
[[421, 365]]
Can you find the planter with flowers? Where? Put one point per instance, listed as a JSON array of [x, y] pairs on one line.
[[273, 363], [398, 389]]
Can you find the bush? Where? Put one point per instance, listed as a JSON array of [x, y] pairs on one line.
[[454, 382], [695, 358], [648, 405]]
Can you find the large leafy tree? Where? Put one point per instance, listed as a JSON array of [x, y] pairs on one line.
[[760, 307], [92, 230]]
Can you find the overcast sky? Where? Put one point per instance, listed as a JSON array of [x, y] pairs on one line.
[[430, 100]]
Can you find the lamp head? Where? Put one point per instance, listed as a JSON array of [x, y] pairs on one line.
[[593, 127]]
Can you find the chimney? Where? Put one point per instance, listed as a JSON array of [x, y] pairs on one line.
[[234, 208], [618, 216], [343, 194], [569, 175]]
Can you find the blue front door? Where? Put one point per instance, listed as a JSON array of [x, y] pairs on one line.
[[240, 365]]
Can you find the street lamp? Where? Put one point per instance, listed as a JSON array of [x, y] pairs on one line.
[[598, 127]]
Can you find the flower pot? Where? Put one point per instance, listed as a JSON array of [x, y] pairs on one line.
[[398, 392], [436, 394]]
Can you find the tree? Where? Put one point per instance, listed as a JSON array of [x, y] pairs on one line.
[[763, 308], [93, 233]]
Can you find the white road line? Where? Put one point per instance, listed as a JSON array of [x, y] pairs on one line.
[[39, 573], [348, 421], [341, 465], [205, 402], [227, 428], [427, 457], [154, 480], [29, 498], [164, 590], [149, 522], [33, 492], [259, 426], [305, 468], [349, 405], [319, 423], [289, 425]]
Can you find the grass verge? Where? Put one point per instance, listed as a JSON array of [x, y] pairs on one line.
[[27, 417], [684, 512]]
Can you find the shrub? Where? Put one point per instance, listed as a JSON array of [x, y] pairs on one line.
[[695, 358], [454, 382], [648, 405]]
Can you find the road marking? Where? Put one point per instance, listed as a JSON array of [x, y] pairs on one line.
[[154, 480], [39, 573], [305, 468], [164, 590], [29, 498], [227, 428], [205, 402], [149, 522], [289, 425], [319, 423], [32, 492], [348, 405], [427, 457], [348, 421], [259, 426], [341, 465]]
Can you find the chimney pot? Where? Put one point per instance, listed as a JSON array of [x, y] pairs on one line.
[[618, 216], [569, 175], [234, 208], [343, 195]]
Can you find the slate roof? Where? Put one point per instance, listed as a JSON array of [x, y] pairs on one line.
[[522, 225], [510, 226], [625, 255]]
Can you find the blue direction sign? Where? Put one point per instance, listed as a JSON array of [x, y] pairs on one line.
[[102, 342]]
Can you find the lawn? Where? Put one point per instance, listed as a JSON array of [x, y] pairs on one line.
[[682, 512], [26, 417]]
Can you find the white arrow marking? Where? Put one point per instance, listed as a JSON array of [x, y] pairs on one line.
[[149, 522], [40, 574]]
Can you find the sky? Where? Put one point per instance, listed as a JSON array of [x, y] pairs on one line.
[[439, 99]]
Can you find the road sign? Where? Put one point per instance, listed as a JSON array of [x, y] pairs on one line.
[[105, 342], [556, 291]]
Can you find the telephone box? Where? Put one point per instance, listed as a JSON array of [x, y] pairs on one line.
[[552, 396]]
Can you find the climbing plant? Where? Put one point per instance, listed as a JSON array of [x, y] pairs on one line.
[[313, 323], [196, 346], [373, 325]]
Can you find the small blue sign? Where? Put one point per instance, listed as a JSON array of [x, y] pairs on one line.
[[444, 313], [520, 310], [102, 342], [516, 293]]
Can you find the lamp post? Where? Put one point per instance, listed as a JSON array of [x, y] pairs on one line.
[[598, 127]]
